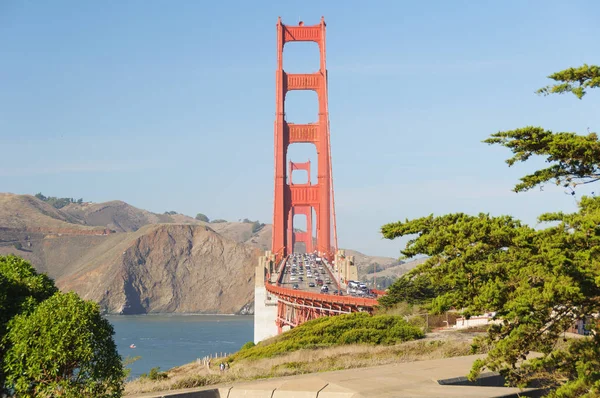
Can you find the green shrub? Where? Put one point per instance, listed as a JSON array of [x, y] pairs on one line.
[[58, 203], [64, 347], [202, 217], [248, 344], [156, 374], [257, 226], [356, 328]]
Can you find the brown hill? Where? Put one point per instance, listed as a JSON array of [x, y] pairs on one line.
[[134, 261], [120, 216], [242, 232], [144, 267], [166, 268], [26, 212], [362, 261]]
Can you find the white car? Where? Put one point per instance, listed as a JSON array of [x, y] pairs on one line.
[[292, 278]]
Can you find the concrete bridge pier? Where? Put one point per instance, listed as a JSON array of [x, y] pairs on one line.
[[346, 267], [265, 303]]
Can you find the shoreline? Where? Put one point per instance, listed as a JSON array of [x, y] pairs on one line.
[[172, 314]]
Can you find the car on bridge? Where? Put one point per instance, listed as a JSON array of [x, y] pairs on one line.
[[311, 284]]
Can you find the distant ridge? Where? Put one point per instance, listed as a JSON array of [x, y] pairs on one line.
[[133, 261]]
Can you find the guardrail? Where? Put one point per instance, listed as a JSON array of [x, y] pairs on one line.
[[331, 298]]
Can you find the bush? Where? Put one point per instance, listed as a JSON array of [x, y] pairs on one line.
[[202, 217], [58, 203], [257, 226], [64, 346], [156, 374], [356, 328], [247, 345], [218, 221], [52, 343], [21, 288]]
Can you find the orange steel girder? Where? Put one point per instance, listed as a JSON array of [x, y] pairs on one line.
[[293, 236], [320, 195]]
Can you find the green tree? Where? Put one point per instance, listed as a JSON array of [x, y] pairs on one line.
[[409, 288], [574, 159], [257, 226], [21, 289], [202, 217], [538, 282], [58, 203], [63, 347], [573, 80]]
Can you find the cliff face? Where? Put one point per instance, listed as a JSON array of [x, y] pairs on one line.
[[183, 266], [132, 261], [169, 268]]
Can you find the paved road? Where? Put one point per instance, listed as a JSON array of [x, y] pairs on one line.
[[304, 284]]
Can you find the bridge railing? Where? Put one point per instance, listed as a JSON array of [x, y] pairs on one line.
[[354, 301]]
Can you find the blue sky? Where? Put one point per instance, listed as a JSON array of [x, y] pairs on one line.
[[169, 105]]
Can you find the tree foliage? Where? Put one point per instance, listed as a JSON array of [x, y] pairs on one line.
[[573, 80], [58, 203], [574, 159], [538, 282], [257, 226], [64, 347], [50, 342], [202, 217], [21, 289]]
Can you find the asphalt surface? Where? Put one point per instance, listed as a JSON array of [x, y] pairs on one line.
[[304, 284]]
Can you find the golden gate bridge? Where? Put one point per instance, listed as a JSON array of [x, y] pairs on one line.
[[278, 306]]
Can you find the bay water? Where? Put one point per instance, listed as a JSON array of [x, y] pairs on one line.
[[171, 340]]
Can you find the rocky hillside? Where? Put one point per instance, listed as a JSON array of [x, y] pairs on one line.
[[134, 261], [167, 268], [130, 260]]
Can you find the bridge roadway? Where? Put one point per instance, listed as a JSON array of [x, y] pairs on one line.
[[325, 274], [296, 306]]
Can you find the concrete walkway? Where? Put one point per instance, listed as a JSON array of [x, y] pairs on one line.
[[410, 379]]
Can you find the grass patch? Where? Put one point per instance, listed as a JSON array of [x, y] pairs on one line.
[[302, 362], [356, 328], [318, 346]]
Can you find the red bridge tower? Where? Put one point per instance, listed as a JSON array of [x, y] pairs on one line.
[[295, 236], [302, 197]]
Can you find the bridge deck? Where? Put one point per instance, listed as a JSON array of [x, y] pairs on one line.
[[313, 297]]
